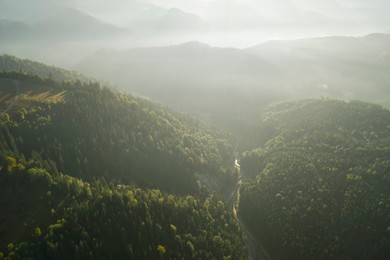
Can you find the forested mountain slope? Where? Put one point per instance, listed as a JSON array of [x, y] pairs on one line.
[[320, 185], [91, 132], [55, 216], [116, 146], [10, 63]]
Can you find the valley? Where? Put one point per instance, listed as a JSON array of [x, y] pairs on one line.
[[71, 148], [203, 129]]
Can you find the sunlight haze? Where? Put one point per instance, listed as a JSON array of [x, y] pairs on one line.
[[194, 129]]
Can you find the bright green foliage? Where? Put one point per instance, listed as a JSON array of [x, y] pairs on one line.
[[321, 186], [161, 250], [10, 247], [38, 232]]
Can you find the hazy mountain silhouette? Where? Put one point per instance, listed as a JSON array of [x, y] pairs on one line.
[[11, 31], [159, 20], [75, 24], [208, 80]]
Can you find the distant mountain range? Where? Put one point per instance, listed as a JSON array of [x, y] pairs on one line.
[[348, 67], [13, 30], [157, 18], [321, 66], [67, 21], [192, 76], [220, 83], [328, 17], [159, 21], [62, 24], [73, 23]]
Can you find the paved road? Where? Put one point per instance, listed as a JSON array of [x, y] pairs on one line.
[[256, 251]]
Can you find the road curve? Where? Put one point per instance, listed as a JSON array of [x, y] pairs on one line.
[[256, 251]]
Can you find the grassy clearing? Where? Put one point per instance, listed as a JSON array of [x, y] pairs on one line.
[[27, 94]]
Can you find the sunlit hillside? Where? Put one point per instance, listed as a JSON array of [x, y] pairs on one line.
[[202, 129]]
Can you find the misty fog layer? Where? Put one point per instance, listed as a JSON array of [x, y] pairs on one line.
[[194, 129], [38, 29], [211, 53]]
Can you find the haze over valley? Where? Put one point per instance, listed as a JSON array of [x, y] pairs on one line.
[[38, 29], [202, 129]]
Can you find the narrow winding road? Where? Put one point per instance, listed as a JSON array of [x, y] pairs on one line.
[[256, 251]]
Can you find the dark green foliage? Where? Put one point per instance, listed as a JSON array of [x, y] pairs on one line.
[[114, 146], [11, 63], [93, 132], [25, 77], [322, 185]]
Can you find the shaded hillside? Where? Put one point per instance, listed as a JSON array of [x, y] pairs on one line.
[[91, 132], [117, 146], [9, 63], [319, 186], [52, 215]]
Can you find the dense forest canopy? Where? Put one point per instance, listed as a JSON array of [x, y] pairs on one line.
[[11, 63], [88, 131], [319, 185], [87, 173], [52, 215], [202, 129], [114, 146]]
